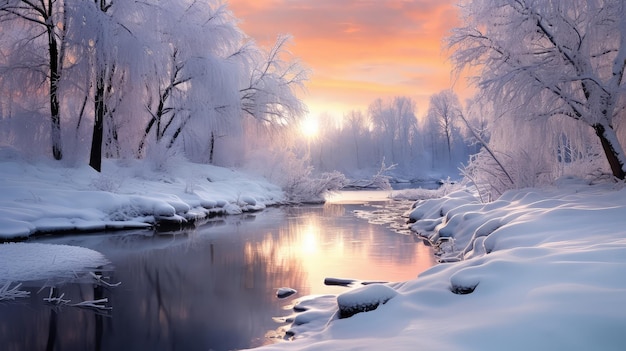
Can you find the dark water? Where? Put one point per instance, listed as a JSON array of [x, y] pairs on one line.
[[213, 288]]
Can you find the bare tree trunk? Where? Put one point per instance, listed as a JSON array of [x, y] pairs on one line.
[[178, 131], [111, 142], [449, 144], [356, 151], [144, 137], [212, 147], [55, 118], [611, 148], [159, 115], [95, 158]]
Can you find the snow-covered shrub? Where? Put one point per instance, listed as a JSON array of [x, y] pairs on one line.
[[106, 182], [163, 159], [520, 169], [305, 187], [294, 175], [525, 150], [380, 180], [492, 177]]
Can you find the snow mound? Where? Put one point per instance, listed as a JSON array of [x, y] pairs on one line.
[[364, 299], [461, 227], [30, 261], [312, 313]]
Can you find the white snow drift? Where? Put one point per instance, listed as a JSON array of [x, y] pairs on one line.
[[45, 197], [33, 261]]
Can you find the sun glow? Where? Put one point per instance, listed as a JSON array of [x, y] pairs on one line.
[[309, 127]]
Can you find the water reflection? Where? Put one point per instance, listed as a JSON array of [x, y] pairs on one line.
[[213, 288], [329, 242]]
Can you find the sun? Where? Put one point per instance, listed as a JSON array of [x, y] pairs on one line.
[[309, 127]]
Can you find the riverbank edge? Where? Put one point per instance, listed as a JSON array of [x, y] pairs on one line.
[[534, 269], [45, 198], [158, 226]]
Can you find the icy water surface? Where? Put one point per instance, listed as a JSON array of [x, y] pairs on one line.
[[215, 288]]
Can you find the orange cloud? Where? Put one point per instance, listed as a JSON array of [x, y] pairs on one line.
[[359, 50]]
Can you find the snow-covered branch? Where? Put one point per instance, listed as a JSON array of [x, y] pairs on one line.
[[99, 280], [99, 304], [542, 57], [11, 293]]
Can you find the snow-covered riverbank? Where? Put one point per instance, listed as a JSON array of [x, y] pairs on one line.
[[539, 269], [46, 196]]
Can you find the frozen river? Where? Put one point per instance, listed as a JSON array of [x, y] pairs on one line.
[[214, 288]]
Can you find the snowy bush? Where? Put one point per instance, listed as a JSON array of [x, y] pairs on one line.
[[380, 180], [519, 169], [163, 159], [487, 176], [295, 176], [106, 182], [305, 187]]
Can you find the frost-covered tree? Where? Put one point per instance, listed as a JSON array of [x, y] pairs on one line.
[[96, 33], [444, 109], [270, 92], [192, 86], [356, 124], [359, 142], [140, 77], [109, 45], [43, 28], [542, 59], [209, 76], [384, 126], [394, 123], [404, 110]]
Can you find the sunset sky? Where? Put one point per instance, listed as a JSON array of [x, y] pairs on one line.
[[360, 50]]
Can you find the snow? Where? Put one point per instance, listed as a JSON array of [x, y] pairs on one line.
[[364, 299], [539, 269], [536, 269], [46, 196], [34, 261]]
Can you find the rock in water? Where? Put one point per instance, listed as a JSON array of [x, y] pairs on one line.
[[338, 281], [285, 292], [366, 298]]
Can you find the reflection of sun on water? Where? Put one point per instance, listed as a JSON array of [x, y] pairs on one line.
[[315, 246], [310, 239]]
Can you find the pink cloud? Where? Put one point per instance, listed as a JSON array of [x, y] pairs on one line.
[[337, 39]]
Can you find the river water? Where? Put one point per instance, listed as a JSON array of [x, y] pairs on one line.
[[214, 288]]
